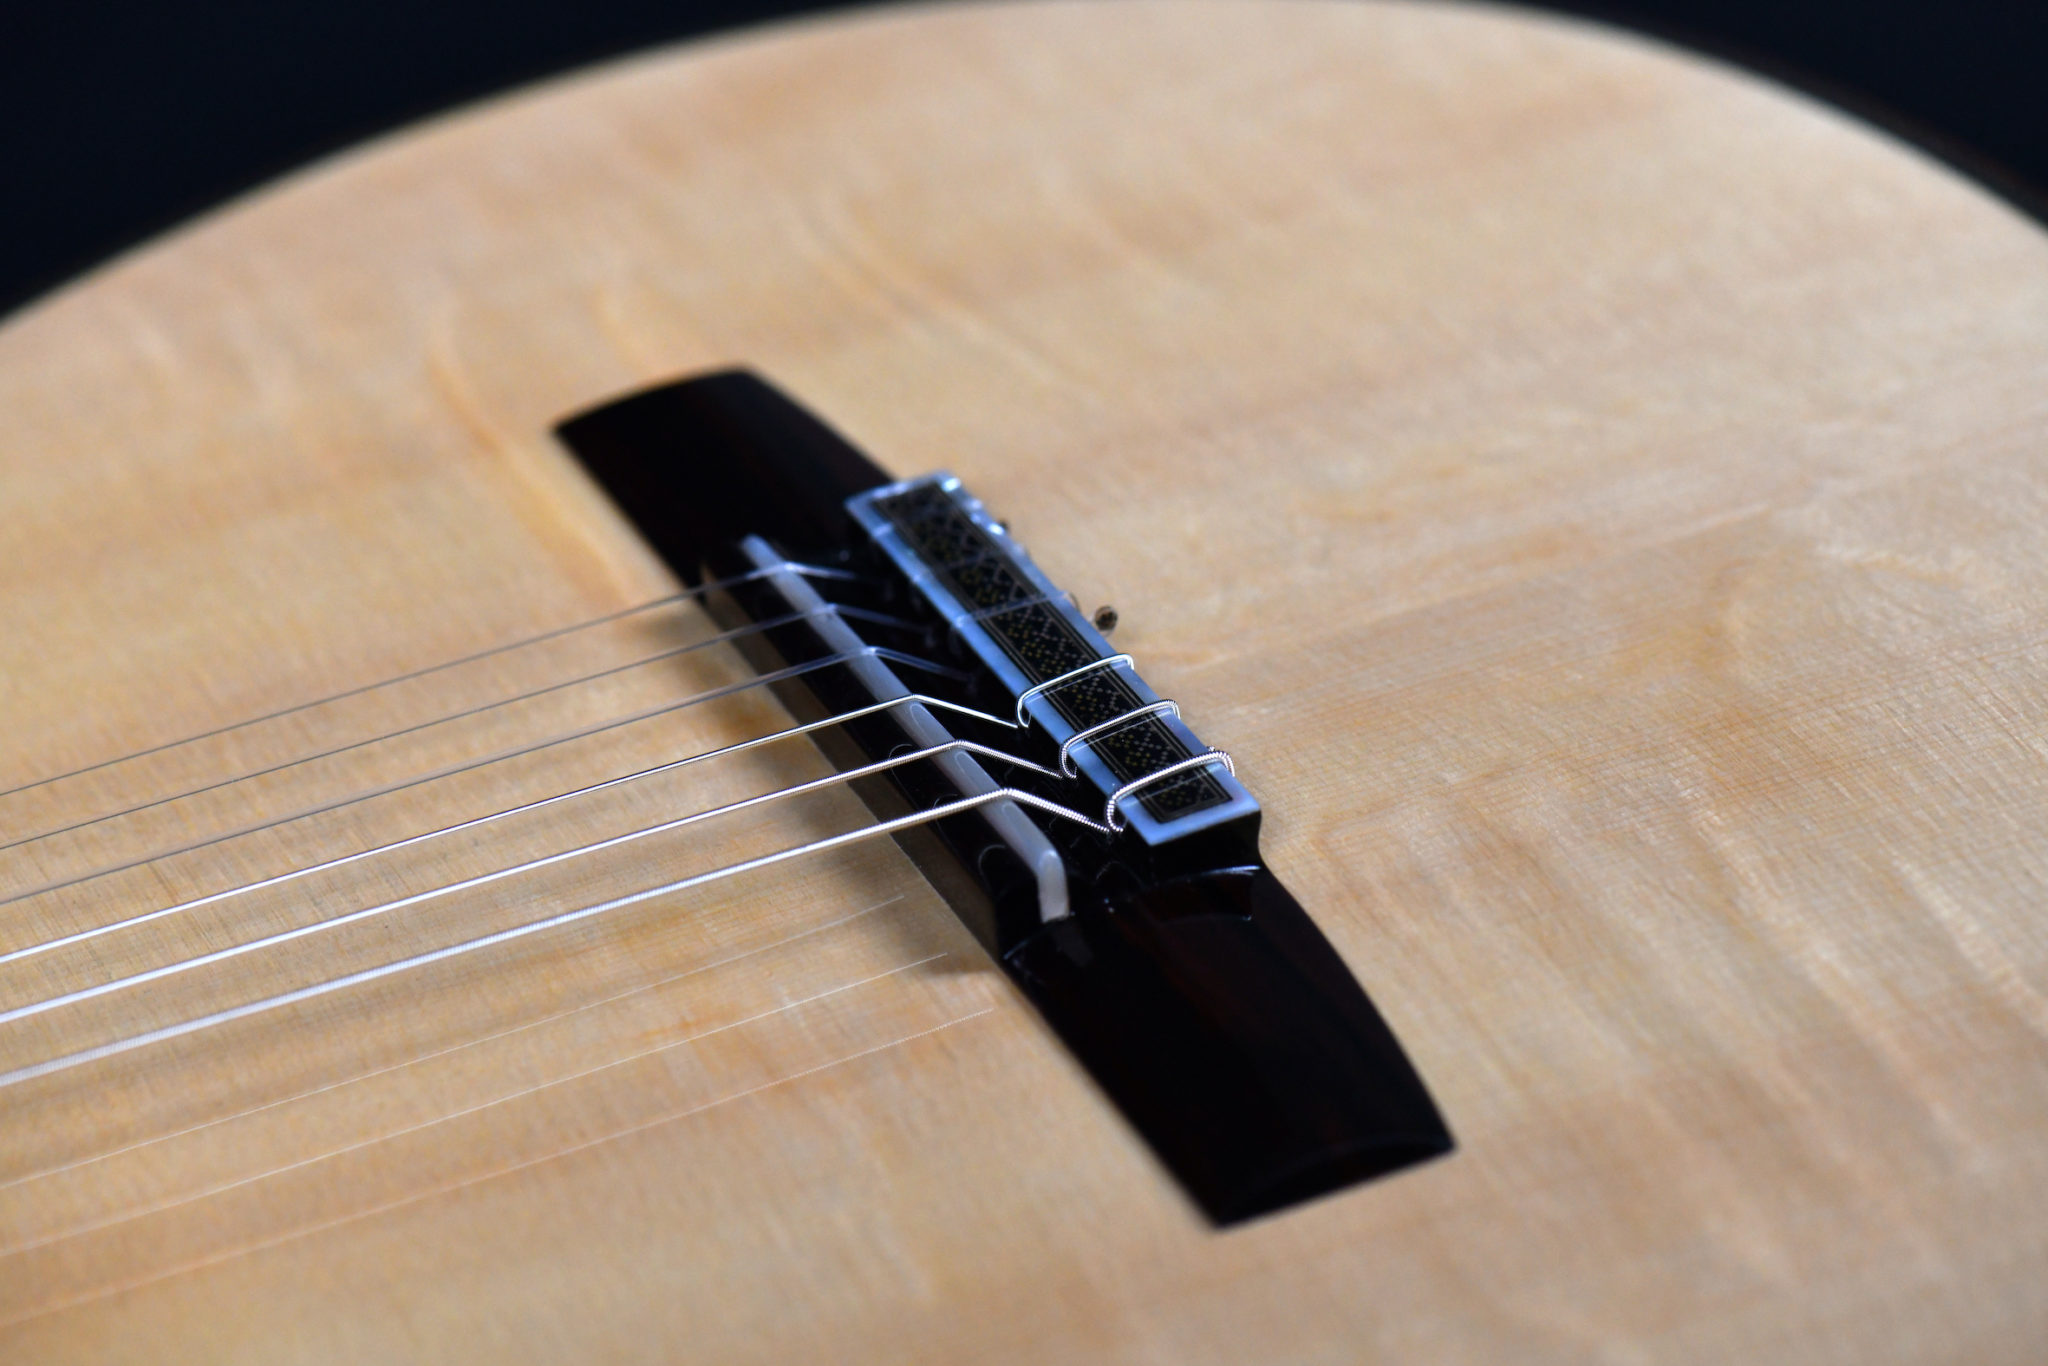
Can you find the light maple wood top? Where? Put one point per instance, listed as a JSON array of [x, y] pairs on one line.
[[1602, 501]]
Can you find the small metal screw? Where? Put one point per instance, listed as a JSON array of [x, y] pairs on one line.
[[1105, 618]]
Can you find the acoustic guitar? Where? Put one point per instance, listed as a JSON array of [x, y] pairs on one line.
[[1199, 682]]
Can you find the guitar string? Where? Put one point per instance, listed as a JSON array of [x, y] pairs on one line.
[[501, 756], [221, 955], [808, 570], [723, 637], [116, 1047], [477, 822], [1109, 824]]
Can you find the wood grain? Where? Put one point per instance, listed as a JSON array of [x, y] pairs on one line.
[[1600, 500]]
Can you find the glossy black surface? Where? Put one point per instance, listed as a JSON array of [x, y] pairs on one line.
[[698, 465], [1235, 1040], [1189, 982]]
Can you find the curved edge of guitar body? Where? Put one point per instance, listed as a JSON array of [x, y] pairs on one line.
[[1598, 500]]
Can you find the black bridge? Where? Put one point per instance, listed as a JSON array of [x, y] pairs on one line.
[[1119, 883]]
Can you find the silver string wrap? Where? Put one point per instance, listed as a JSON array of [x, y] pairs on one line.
[[1114, 820], [1106, 662], [1100, 729]]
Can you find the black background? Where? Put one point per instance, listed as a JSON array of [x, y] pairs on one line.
[[119, 119]]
